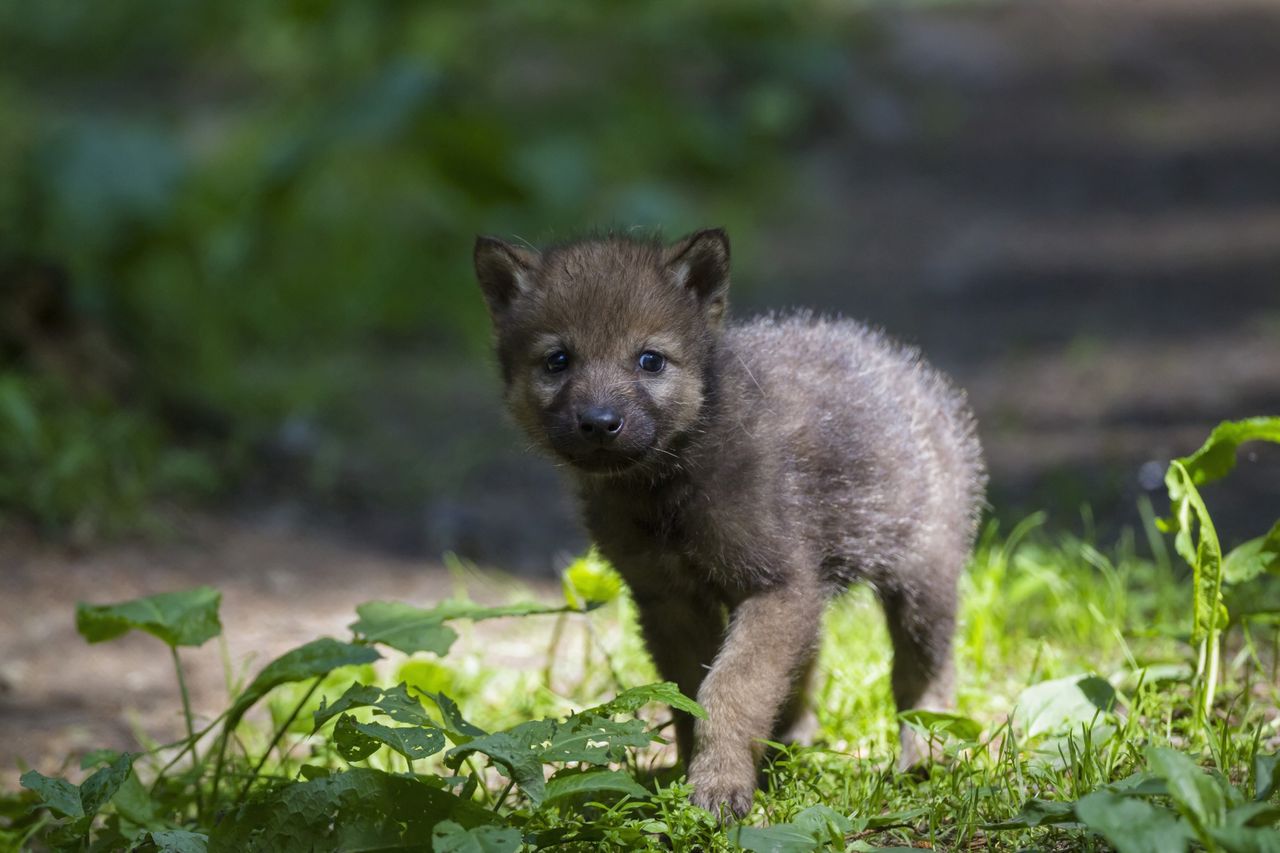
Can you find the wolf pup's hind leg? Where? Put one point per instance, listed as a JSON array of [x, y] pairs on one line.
[[921, 621]]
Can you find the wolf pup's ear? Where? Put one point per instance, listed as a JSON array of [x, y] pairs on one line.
[[700, 262], [504, 272]]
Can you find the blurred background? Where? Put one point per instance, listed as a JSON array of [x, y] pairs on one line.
[[235, 257], [240, 341]]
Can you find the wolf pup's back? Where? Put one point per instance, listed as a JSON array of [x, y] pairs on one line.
[[738, 476]]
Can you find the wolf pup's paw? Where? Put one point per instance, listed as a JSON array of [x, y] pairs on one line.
[[727, 795]]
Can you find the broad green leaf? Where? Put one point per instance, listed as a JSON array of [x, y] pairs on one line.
[[179, 841], [1196, 541], [1254, 814], [312, 660], [825, 822], [415, 629], [353, 745], [1265, 775], [55, 794], [410, 741], [568, 783], [1247, 839], [187, 618], [779, 838], [632, 700], [134, 804], [595, 740], [459, 730], [360, 809], [450, 837], [1217, 456], [1133, 825], [517, 751], [1037, 813], [85, 800], [1250, 559], [942, 722], [590, 580], [394, 702], [586, 738], [404, 627], [103, 783], [1196, 793], [817, 827], [1063, 704], [1141, 784]]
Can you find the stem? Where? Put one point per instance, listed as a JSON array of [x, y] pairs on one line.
[[191, 727], [217, 767], [557, 631], [1211, 676], [503, 796], [186, 744], [480, 785], [275, 739]]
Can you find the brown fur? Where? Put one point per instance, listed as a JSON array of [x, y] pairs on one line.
[[765, 467]]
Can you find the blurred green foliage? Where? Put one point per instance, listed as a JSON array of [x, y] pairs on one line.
[[251, 198]]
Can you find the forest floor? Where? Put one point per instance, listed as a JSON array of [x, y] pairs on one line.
[[1083, 227]]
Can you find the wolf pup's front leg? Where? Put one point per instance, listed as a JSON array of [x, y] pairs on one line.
[[771, 636]]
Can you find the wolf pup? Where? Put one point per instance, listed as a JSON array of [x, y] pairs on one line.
[[739, 475]]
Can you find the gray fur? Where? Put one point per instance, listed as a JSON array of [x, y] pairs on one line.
[[766, 467]]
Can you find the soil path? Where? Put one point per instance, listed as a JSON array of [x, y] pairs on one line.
[[60, 697]]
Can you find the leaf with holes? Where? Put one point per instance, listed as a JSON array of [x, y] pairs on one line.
[[394, 702], [353, 744], [455, 725], [594, 740], [55, 794], [412, 742], [518, 751], [86, 799], [360, 809], [631, 700]]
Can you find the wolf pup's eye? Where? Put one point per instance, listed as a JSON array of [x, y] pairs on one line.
[[652, 362], [557, 361]]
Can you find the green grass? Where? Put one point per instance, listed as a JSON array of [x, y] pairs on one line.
[[1036, 608], [1102, 704]]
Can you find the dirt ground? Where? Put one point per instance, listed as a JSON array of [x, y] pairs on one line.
[[1074, 207], [60, 697]]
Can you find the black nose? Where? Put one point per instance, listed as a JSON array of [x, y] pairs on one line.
[[600, 423]]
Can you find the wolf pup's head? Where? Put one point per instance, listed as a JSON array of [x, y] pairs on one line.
[[604, 343]]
